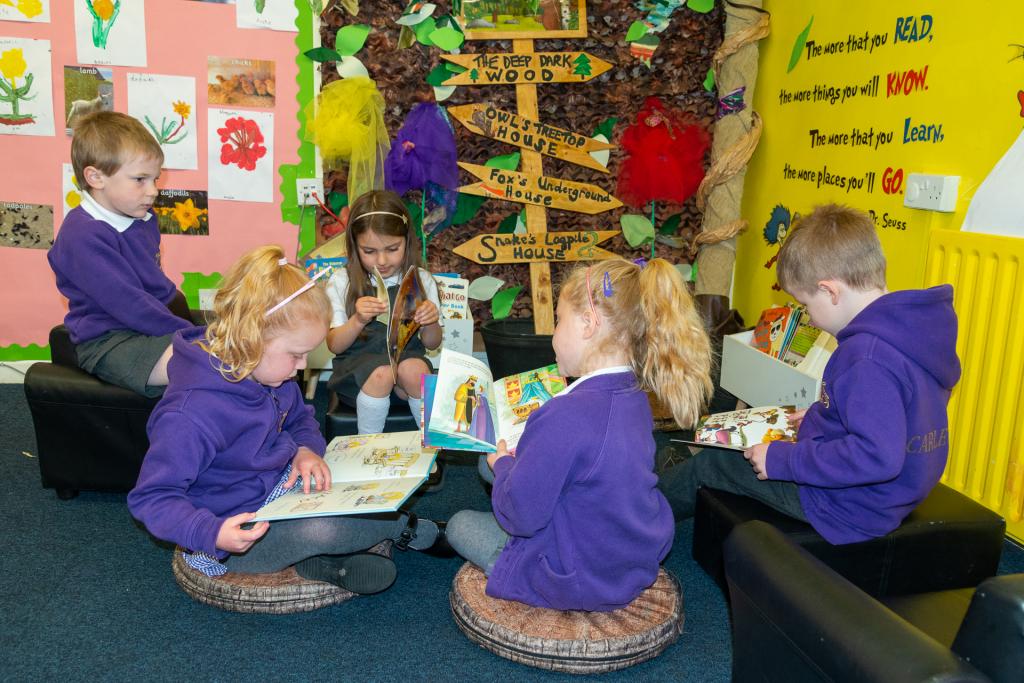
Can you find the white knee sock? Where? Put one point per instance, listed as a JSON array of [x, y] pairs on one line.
[[371, 413], [416, 407]]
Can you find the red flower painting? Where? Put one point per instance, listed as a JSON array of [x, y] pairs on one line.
[[241, 138]]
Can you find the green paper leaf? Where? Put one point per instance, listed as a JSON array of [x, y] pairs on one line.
[[351, 39], [322, 54], [798, 46], [416, 213], [406, 37], [443, 92], [424, 29], [709, 80], [508, 224], [606, 127], [438, 75], [192, 282], [701, 6], [501, 304], [671, 224], [637, 29], [447, 39], [506, 162], [337, 201], [484, 287], [467, 207], [636, 229]]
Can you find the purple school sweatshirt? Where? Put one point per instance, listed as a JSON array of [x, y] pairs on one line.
[[588, 528], [876, 442], [216, 448], [112, 279]]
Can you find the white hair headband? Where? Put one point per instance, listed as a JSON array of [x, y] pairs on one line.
[[297, 292], [404, 218]]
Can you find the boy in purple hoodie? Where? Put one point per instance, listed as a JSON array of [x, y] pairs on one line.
[[107, 257], [875, 443]]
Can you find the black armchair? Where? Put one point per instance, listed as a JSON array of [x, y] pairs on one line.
[[795, 619], [90, 435]]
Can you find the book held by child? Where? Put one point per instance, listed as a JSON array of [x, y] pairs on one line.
[[740, 429], [464, 408], [369, 473], [399, 316]]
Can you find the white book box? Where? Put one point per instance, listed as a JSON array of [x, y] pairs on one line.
[[757, 379]]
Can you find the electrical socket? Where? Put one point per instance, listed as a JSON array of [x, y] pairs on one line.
[[305, 188], [934, 192]]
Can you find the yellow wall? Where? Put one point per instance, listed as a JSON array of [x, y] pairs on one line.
[[974, 75]]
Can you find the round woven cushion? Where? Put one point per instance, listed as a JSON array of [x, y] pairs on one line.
[[283, 592], [574, 641]]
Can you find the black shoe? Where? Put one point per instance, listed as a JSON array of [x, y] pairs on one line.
[[435, 482], [361, 573], [441, 547]]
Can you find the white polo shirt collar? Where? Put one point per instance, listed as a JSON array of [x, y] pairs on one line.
[[100, 213]]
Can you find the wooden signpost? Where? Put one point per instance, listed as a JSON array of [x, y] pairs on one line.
[[526, 67], [536, 247], [545, 191], [551, 141]]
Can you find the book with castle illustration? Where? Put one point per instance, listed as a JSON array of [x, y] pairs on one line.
[[369, 473], [740, 429], [465, 409], [399, 316]]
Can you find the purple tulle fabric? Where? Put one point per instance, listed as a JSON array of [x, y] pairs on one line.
[[430, 156]]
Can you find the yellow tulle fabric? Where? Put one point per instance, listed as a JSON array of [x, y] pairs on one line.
[[347, 123]]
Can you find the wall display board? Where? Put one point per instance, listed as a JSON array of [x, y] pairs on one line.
[[853, 103]]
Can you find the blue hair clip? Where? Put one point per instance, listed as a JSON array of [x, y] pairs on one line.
[[606, 284], [640, 262]]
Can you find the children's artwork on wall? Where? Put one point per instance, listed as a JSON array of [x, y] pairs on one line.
[[86, 89], [110, 32], [495, 19], [277, 15], [240, 156], [997, 207], [26, 93], [37, 11], [26, 226], [166, 106], [182, 212], [240, 82], [70, 192]]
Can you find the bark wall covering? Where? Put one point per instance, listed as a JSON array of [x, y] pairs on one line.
[[679, 67]]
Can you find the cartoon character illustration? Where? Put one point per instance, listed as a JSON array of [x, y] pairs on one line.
[[390, 461], [775, 231], [379, 498], [465, 403]]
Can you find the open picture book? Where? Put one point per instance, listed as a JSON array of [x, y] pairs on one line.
[[465, 409], [369, 473], [738, 430], [399, 316]]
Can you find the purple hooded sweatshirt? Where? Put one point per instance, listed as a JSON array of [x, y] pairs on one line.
[[588, 529], [876, 442], [112, 279], [216, 448]]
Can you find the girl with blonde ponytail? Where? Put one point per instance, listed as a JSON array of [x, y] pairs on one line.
[[578, 521], [232, 433]]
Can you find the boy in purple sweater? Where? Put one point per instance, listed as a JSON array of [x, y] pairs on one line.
[[875, 443], [107, 257]]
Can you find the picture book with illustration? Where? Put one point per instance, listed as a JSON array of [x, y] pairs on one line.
[[464, 408], [399, 316], [775, 328], [369, 473], [740, 429]]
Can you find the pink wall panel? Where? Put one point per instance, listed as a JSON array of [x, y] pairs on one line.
[[180, 35]]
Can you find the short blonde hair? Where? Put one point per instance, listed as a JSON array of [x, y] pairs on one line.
[[241, 327], [651, 314], [107, 140], [832, 243]]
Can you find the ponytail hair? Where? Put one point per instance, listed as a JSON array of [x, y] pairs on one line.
[[382, 212], [241, 326], [651, 314]]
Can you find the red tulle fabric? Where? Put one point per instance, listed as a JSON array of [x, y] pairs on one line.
[[665, 156]]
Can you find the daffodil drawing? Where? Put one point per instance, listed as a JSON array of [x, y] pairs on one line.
[[104, 14], [74, 196], [12, 67], [28, 8], [167, 134]]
